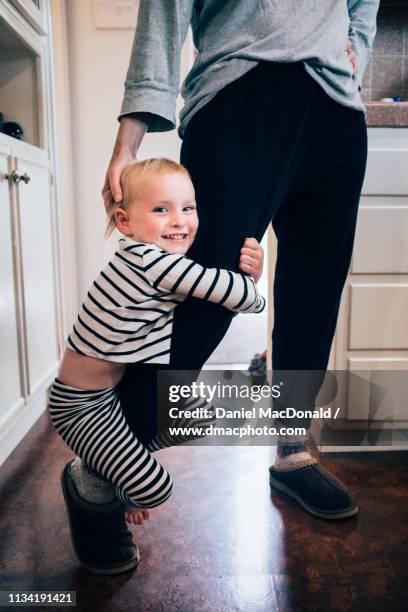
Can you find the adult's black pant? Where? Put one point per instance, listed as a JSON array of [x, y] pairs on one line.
[[270, 147]]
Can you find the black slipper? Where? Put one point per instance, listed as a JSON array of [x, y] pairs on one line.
[[316, 489], [99, 534]]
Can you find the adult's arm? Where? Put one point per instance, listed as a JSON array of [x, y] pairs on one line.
[[153, 77], [152, 83], [362, 30], [178, 274]]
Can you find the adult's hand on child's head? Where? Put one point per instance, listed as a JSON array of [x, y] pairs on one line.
[[112, 191], [130, 134], [252, 258]]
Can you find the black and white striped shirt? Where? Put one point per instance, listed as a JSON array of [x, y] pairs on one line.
[[127, 315]]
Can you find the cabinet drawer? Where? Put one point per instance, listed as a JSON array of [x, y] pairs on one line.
[[381, 243], [378, 316], [387, 172], [377, 389]]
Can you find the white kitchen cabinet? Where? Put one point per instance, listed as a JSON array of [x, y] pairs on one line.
[[11, 379], [30, 259], [37, 261], [371, 340], [29, 324], [34, 12]]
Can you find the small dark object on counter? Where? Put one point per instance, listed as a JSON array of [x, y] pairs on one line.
[[11, 128], [397, 99]]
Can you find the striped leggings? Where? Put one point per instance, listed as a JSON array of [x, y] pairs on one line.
[[92, 424]]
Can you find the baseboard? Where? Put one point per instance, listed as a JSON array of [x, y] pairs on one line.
[[19, 423]]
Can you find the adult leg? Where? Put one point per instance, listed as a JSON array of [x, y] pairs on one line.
[[315, 227]]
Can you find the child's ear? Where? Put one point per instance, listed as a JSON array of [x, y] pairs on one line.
[[122, 221]]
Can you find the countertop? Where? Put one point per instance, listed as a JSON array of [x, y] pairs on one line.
[[387, 114]]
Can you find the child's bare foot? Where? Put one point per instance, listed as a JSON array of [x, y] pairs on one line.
[[136, 515]]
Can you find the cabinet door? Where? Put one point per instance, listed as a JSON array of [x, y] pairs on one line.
[[10, 372], [38, 271], [34, 11]]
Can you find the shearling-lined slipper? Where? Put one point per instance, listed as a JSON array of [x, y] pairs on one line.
[[99, 534], [312, 486]]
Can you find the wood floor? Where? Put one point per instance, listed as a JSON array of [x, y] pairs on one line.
[[221, 543]]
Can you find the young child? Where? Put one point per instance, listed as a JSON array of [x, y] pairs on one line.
[[127, 316]]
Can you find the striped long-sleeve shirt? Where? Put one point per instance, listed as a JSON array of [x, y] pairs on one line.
[[127, 315]]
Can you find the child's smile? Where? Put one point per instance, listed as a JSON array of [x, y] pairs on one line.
[[162, 211]]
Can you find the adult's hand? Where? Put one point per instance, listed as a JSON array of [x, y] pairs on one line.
[[351, 55], [130, 134]]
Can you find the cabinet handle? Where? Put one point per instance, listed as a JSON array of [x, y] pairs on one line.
[[13, 177], [25, 178]]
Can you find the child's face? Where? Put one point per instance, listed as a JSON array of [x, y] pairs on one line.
[[162, 212]]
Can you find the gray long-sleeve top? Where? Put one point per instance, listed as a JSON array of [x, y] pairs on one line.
[[231, 37]]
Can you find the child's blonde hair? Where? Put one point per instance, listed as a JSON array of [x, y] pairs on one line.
[[133, 173]]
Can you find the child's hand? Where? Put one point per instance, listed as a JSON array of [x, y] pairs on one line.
[[251, 259]]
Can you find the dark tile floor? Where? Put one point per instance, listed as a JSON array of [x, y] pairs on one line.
[[220, 543]]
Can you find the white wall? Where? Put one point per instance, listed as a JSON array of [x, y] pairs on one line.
[[98, 61]]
